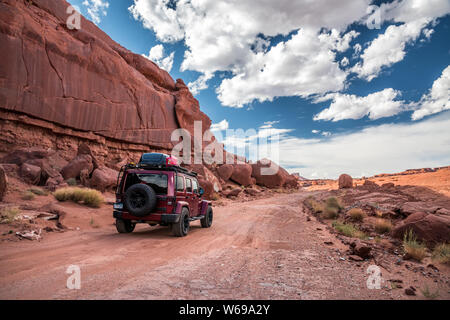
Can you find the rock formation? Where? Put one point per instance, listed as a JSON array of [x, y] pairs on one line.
[[345, 181]]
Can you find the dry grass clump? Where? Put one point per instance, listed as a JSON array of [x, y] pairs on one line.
[[332, 208], [88, 197], [38, 191], [356, 214], [316, 206], [412, 247], [348, 230], [441, 253], [215, 196], [28, 195], [383, 226], [8, 215]]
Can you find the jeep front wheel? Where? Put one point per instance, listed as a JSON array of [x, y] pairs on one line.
[[124, 226], [206, 222], [181, 228]]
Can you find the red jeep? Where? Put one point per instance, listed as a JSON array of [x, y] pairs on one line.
[[158, 191]]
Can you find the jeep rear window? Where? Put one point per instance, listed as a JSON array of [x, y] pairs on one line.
[[157, 181]]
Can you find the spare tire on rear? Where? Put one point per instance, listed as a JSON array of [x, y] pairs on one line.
[[140, 200]]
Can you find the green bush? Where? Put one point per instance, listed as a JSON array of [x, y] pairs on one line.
[[316, 206], [72, 182], [38, 191], [348, 230], [88, 197]]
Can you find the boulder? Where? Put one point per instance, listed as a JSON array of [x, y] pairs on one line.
[[53, 183], [242, 174], [3, 183], [225, 171], [345, 181], [74, 167], [361, 249], [233, 193], [268, 174], [370, 184], [30, 173], [103, 178], [430, 228]]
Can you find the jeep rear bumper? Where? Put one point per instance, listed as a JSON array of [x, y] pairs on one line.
[[160, 218]]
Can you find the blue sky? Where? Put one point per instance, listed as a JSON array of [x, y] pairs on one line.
[[345, 97]]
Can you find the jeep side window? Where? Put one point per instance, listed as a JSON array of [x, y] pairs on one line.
[[188, 185], [195, 186], [180, 183]]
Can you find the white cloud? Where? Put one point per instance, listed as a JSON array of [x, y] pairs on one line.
[[226, 36], [222, 125], [390, 47], [96, 9], [157, 55], [302, 66], [315, 131], [377, 149], [376, 105], [437, 100], [200, 84], [345, 62]]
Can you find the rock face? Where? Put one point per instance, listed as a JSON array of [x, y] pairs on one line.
[[3, 183], [345, 181], [51, 73], [431, 228], [30, 173]]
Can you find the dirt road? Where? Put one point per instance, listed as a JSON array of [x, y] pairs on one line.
[[263, 249]]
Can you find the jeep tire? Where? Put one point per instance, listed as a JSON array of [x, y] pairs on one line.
[[124, 226], [140, 200], [181, 228], [206, 222]]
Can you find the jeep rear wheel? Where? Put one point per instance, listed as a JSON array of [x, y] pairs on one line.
[[124, 226], [206, 222], [181, 228]]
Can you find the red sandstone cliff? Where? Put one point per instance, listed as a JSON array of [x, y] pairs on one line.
[[81, 83]]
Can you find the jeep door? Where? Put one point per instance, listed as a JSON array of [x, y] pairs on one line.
[[191, 198]]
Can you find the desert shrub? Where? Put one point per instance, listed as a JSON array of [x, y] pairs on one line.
[[333, 202], [330, 213], [441, 253], [28, 195], [72, 182], [383, 226], [348, 230], [316, 206], [428, 294], [38, 191], [88, 197], [412, 247], [8, 215], [356, 214], [93, 223]]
